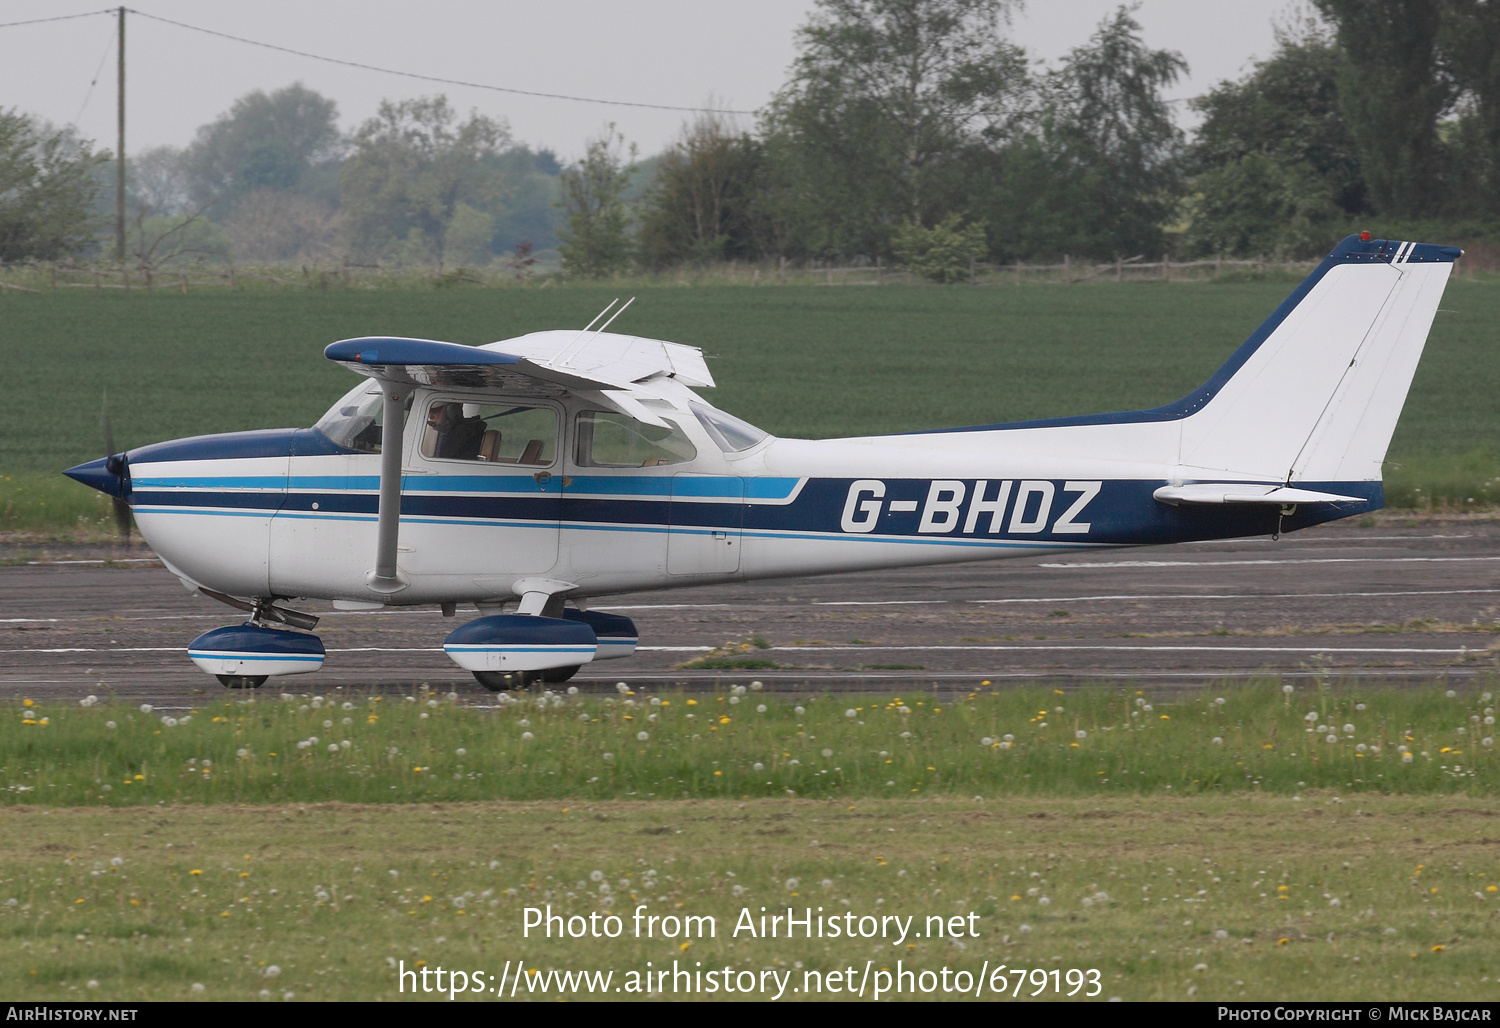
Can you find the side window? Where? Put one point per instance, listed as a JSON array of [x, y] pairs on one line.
[[503, 433], [610, 440]]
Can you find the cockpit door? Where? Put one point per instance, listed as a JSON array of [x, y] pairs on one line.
[[707, 515]]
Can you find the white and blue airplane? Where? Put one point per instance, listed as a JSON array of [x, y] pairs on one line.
[[531, 476]]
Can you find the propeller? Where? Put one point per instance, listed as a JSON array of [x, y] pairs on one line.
[[115, 463]]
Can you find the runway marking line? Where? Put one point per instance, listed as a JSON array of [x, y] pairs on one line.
[[1235, 563], [1241, 596], [867, 649]]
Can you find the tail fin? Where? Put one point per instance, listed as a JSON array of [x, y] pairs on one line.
[[1314, 394]]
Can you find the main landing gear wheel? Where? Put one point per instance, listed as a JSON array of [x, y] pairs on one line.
[[242, 681], [499, 681]]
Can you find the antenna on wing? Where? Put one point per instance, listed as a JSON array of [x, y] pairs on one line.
[[604, 312], [616, 314], [566, 352]]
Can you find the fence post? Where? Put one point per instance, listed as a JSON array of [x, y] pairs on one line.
[[1067, 270], [1119, 269]]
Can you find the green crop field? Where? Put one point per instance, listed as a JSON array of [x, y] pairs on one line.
[[799, 361], [1312, 844]]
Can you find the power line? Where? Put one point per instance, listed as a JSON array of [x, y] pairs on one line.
[[60, 17], [424, 78], [97, 72]]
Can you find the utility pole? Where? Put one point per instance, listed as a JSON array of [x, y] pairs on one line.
[[120, 153]]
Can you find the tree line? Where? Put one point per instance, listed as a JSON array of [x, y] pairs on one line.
[[912, 132]]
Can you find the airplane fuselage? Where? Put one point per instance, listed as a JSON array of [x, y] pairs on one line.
[[288, 513]]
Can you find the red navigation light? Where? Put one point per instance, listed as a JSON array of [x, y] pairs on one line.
[[1364, 237]]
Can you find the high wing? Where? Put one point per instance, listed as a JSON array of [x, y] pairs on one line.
[[614, 370]]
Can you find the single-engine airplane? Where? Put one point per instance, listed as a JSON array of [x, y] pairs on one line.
[[531, 476]]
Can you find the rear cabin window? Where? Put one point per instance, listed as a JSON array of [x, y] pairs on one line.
[[501, 433], [610, 440]]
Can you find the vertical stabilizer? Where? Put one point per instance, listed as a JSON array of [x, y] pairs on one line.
[[1315, 394]]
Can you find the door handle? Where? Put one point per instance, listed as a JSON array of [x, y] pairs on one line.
[[542, 477]]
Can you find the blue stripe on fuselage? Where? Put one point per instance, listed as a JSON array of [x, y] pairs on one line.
[[1122, 512]]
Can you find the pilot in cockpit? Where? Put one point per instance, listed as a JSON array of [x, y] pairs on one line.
[[458, 437]]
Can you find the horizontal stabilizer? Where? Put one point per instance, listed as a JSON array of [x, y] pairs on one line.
[[1234, 492]]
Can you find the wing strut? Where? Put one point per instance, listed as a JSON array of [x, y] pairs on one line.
[[387, 578]]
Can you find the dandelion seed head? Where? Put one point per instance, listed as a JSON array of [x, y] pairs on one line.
[[1287, 689], [642, 736], [1080, 734], [527, 737], [760, 708], [799, 711], [758, 766], [110, 724], [1218, 740], [851, 713], [791, 883], [1451, 694], [146, 708], [827, 753]]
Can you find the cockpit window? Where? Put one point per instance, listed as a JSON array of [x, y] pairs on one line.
[[730, 433], [354, 422], [503, 433], [610, 440]]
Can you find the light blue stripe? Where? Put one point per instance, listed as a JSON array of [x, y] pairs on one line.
[[518, 649], [728, 487]]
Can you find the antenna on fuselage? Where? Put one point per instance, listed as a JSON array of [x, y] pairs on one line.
[[566, 352]]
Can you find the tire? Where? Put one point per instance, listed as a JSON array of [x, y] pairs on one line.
[[499, 681], [242, 681], [496, 681]]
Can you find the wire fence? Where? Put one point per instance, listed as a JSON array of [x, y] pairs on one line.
[[38, 277]]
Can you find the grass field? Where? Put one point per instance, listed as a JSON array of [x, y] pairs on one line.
[[744, 744], [1254, 842], [1323, 896], [799, 361]]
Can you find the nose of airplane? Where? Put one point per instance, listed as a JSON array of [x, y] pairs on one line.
[[105, 474]]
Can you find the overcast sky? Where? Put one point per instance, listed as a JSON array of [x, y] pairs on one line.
[[669, 52]]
